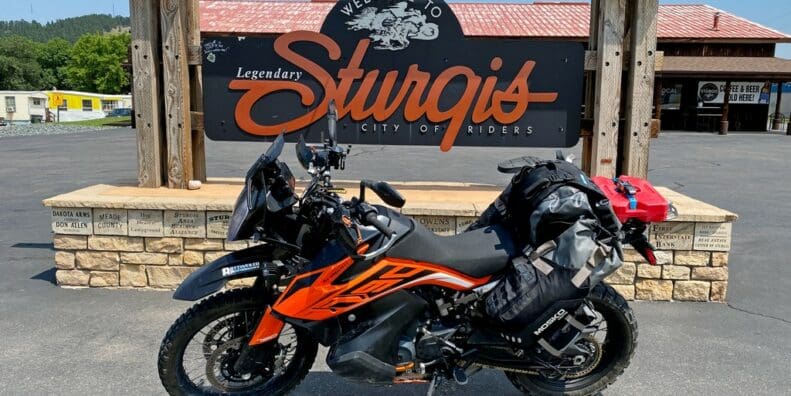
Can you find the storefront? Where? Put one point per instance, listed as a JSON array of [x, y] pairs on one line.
[[692, 92]]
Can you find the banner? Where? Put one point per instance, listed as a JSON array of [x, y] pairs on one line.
[[400, 73], [713, 92]]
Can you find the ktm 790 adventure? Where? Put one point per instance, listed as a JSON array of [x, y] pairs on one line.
[[394, 302]]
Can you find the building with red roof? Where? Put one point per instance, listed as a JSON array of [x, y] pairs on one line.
[[703, 47]]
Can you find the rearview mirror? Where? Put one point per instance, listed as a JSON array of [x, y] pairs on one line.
[[304, 153], [383, 190]]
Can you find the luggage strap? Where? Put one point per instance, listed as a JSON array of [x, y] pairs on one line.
[[538, 261], [587, 269]]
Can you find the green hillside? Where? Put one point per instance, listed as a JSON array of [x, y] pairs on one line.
[[69, 28]]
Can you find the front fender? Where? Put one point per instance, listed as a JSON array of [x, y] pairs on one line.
[[211, 277]]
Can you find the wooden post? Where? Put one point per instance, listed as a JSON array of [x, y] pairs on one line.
[[657, 120], [609, 65], [640, 86], [777, 122], [590, 87], [725, 105], [195, 58], [176, 93], [146, 91]]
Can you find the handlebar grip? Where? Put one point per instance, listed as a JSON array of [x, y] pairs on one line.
[[372, 219]]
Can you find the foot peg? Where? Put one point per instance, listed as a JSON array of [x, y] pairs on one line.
[[460, 376]]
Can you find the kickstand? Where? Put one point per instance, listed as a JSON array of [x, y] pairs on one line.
[[435, 381]]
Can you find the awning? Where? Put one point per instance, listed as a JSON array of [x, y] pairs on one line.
[[753, 68]]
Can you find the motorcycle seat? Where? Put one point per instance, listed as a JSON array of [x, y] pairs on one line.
[[476, 253]]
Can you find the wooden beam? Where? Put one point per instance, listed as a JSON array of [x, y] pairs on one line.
[[640, 88], [590, 60], [777, 122], [604, 153], [725, 108], [590, 88], [146, 91], [196, 90], [178, 131]]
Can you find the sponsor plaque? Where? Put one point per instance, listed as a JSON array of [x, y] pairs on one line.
[[713, 236], [672, 236], [217, 224], [463, 222], [184, 223], [440, 225], [401, 73], [109, 221], [75, 221], [146, 223]]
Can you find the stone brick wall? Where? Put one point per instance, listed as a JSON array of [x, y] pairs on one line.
[[148, 248]]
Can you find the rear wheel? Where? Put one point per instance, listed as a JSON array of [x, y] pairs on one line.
[[199, 352], [614, 343]]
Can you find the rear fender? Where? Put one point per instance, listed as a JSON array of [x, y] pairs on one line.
[[210, 278]]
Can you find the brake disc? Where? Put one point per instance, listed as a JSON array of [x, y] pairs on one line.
[[220, 371]]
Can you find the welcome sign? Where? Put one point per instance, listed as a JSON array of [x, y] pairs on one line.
[[400, 72]]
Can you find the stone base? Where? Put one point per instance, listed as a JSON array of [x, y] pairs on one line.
[[128, 237]]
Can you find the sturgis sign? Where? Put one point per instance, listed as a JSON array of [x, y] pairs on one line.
[[400, 72]]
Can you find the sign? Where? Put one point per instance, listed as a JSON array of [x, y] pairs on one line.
[[671, 97], [109, 221], [400, 72], [713, 92], [187, 224], [713, 236], [145, 223], [75, 221], [672, 235]]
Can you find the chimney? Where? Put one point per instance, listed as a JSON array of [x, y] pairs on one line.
[[716, 25]]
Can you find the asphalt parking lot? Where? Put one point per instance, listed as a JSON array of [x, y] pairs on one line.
[[76, 342]]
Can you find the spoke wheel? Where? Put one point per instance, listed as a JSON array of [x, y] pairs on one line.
[[612, 347], [199, 353]]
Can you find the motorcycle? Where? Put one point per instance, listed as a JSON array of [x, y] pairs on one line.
[[394, 302]]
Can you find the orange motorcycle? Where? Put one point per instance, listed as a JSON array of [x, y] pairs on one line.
[[394, 302]]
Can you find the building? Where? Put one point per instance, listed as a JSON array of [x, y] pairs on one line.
[[75, 105], [704, 49], [23, 107]]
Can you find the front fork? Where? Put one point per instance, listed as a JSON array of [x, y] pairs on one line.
[[261, 344]]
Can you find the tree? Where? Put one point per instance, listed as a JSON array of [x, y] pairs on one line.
[[95, 63], [53, 58], [69, 29], [19, 68]]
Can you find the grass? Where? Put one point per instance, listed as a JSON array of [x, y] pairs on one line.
[[101, 121]]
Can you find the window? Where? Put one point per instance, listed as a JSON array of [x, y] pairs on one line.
[[10, 101], [87, 105], [36, 102], [64, 105], [109, 105]]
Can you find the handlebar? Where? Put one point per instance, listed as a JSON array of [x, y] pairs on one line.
[[372, 219]]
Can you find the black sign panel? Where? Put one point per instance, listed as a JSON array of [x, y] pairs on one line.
[[400, 72]]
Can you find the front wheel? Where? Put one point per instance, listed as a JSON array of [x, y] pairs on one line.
[[616, 339], [199, 352]]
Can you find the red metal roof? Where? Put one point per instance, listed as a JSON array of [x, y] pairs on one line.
[[560, 20]]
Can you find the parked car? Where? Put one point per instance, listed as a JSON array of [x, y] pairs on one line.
[[120, 112]]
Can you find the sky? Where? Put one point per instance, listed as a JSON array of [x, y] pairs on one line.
[[772, 13]]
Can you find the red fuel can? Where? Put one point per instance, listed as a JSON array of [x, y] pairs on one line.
[[634, 198]]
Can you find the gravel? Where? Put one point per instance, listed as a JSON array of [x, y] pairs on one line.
[[47, 129]]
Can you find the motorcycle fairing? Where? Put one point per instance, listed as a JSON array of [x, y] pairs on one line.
[[318, 296], [239, 264], [268, 328]]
